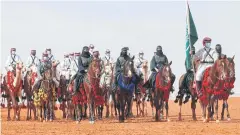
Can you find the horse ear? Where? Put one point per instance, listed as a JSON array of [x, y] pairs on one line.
[[233, 57], [224, 56], [170, 63]]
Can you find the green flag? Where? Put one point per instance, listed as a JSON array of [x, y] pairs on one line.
[[191, 37]]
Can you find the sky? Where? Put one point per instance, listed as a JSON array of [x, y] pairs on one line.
[[68, 26]]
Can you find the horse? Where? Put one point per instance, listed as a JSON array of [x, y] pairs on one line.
[[187, 88], [213, 84], [106, 86], [162, 90], [62, 91], [141, 93], [13, 89], [95, 97], [126, 86], [45, 94], [29, 80], [228, 86]]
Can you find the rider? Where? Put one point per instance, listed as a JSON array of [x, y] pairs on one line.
[[138, 63], [12, 60], [107, 59], [207, 57], [65, 67], [45, 64], [32, 60], [218, 50], [50, 56], [120, 63], [157, 62], [91, 48], [83, 63]]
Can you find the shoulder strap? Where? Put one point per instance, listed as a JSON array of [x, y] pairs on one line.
[[13, 59], [33, 59], [208, 54]]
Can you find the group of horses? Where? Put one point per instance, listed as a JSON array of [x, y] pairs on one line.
[[98, 90]]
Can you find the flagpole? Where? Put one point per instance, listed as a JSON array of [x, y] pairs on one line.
[[192, 61]]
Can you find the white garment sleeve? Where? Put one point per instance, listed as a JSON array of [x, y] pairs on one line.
[[28, 62], [8, 63]]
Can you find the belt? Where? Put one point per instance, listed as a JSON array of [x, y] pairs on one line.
[[210, 62]]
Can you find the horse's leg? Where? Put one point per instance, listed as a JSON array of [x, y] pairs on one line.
[[14, 105], [193, 107], [228, 114], [167, 107], [34, 110], [51, 110], [216, 109], [223, 109], [28, 109], [208, 107], [9, 109], [157, 104], [180, 104]]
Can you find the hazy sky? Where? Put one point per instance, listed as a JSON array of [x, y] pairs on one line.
[[68, 26]]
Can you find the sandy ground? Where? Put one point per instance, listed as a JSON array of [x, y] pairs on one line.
[[138, 125]]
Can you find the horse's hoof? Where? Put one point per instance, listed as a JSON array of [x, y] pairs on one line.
[[77, 122], [50, 120], [8, 119], [217, 121], [168, 120], [228, 119]]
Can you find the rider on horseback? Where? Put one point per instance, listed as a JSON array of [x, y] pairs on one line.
[[32, 60], [91, 48], [207, 57], [157, 62], [189, 69], [120, 63], [139, 63], [45, 64], [107, 59], [65, 67], [12, 61], [50, 56], [83, 63]]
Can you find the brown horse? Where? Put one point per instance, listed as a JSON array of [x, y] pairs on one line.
[[141, 95], [228, 86], [187, 88], [14, 87], [94, 94], [29, 80], [213, 84], [162, 90]]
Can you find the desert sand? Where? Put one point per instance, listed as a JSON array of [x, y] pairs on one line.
[[134, 126]]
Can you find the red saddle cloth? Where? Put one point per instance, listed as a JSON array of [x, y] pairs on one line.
[[164, 88], [10, 80]]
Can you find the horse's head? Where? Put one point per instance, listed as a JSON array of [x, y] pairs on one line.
[[166, 72], [19, 65], [95, 68], [221, 69], [145, 64], [128, 68], [231, 67], [55, 63], [33, 68]]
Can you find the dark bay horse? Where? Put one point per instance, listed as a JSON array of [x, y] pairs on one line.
[[126, 86], [187, 89], [213, 84], [162, 90], [95, 97], [29, 80]]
